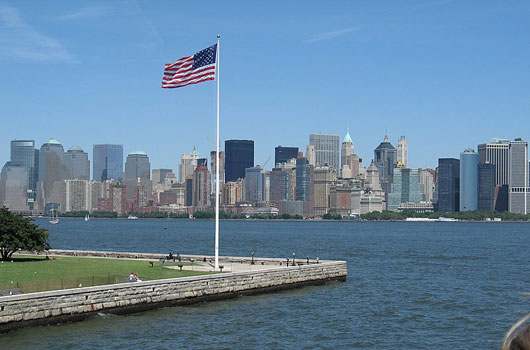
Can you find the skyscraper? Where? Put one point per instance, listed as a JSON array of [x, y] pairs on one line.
[[283, 154], [107, 162], [402, 151], [76, 164], [448, 185], [239, 156], [486, 186], [327, 148], [282, 184], [23, 153], [497, 154], [468, 180], [518, 177], [188, 163], [51, 171]]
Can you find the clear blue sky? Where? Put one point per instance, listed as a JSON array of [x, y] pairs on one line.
[[446, 74]]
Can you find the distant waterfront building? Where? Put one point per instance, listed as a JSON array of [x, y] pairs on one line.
[[213, 170], [405, 188], [323, 178], [76, 163], [518, 177], [76, 195], [107, 162], [13, 187], [159, 176], [201, 187], [305, 185], [448, 185], [283, 154], [468, 180], [385, 160], [51, 170], [427, 181], [282, 185], [327, 150], [239, 155], [137, 174], [255, 184], [403, 152], [188, 163], [486, 186]]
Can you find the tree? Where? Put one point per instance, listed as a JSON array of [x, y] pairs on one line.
[[18, 232]]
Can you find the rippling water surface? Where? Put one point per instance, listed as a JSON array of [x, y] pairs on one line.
[[410, 286]]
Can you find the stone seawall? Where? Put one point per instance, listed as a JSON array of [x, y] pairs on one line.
[[76, 304]]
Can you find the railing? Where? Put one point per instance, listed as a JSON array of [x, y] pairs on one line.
[[16, 287]]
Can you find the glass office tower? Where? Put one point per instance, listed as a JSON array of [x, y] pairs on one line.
[[468, 180], [107, 162]]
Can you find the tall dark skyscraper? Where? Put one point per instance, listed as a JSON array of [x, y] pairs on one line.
[[107, 162], [305, 184], [283, 154], [486, 186], [448, 185], [239, 155]]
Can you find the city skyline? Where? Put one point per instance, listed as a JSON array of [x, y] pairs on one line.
[[431, 71]]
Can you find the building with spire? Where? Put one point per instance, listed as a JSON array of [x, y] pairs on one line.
[[188, 163]]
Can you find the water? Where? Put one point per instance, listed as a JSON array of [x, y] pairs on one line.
[[410, 286]]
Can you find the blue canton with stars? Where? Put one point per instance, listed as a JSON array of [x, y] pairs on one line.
[[205, 57]]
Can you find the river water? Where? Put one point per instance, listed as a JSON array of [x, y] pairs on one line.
[[410, 286]]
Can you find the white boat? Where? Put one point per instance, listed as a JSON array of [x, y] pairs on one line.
[[54, 219], [132, 217], [87, 217]]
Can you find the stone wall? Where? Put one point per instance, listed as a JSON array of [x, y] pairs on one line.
[[75, 304]]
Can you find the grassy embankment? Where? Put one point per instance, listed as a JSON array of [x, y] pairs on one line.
[[35, 273]]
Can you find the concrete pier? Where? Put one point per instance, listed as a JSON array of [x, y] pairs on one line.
[[246, 276]]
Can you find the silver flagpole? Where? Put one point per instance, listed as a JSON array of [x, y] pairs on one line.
[[217, 166]]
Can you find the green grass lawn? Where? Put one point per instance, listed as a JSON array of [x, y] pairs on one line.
[[35, 273]]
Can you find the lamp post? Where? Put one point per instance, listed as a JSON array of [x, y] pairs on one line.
[[294, 262], [252, 262]]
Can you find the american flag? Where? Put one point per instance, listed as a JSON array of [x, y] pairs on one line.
[[191, 70]]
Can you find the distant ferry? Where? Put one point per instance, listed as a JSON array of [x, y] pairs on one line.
[[440, 219], [132, 217]]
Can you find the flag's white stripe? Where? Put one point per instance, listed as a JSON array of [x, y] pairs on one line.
[[174, 85], [178, 62], [188, 73]]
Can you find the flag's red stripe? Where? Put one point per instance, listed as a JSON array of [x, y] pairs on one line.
[[177, 68]]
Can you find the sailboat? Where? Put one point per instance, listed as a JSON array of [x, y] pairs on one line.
[[54, 219], [87, 217]]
